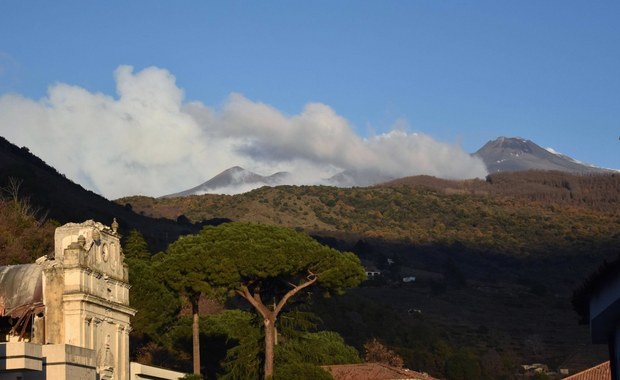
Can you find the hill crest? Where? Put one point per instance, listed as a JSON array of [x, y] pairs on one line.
[[510, 154]]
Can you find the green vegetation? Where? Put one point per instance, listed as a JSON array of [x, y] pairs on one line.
[[231, 341], [262, 264], [233, 337], [492, 259], [157, 306], [513, 214], [25, 234], [320, 348]]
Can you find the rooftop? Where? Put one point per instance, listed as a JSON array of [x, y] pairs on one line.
[[599, 372], [20, 285], [373, 371]]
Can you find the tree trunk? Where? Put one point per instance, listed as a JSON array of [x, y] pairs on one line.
[[270, 340], [196, 333], [269, 316]]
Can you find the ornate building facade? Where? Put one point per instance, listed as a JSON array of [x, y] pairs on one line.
[[68, 316]]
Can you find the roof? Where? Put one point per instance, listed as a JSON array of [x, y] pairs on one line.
[[599, 372], [21, 295], [373, 371], [20, 285]]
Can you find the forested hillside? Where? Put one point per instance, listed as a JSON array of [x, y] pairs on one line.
[[517, 214], [495, 261], [58, 198], [24, 234]]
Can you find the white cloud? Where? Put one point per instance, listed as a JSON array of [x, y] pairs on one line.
[[148, 141]]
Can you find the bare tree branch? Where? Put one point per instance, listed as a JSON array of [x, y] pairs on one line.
[[22, 205], [311, 280]]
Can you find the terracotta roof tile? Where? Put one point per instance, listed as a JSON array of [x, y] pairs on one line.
[[373, 371], [599, 372]]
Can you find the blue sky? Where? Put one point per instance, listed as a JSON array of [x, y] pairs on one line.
[[461, 72]]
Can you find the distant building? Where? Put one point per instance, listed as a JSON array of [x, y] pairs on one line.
[[68, 316], [532, 369], [371, 270]]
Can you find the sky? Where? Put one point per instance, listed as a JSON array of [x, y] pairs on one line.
[[155, 97]]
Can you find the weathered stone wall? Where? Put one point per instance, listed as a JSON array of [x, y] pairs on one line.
[[88, 291], [102, 246], [68, 362], [53, 290]]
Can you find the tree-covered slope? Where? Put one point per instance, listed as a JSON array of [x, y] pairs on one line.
[[516, 214], [495, 261], [60, 199]]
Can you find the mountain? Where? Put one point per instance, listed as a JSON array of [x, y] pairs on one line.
[[65, 201], [493, 269], [511, 154], [495, 259], [504, 154], [351, 178], [235, 180]]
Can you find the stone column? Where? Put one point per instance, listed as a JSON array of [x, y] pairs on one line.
[[87, 333], [120, 353]]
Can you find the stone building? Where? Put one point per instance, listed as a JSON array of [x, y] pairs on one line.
[[68, 316]]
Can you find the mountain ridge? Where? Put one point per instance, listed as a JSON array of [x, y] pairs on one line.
[[234, 177], [508, 245], [510, 154], [504, 154], [67, 201]]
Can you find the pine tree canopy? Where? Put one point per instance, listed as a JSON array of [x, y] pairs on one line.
[[219, 260]]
